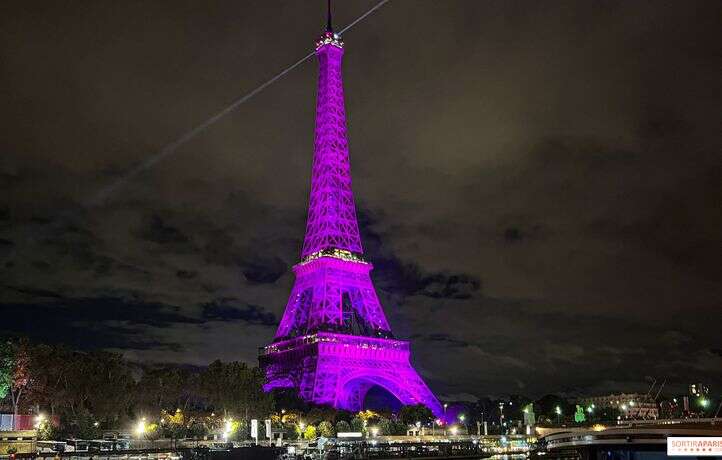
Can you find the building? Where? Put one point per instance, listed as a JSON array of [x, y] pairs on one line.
[[334, 343], [629, 405]]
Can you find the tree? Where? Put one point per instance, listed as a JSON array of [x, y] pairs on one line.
[[7, 365], [173, 425], [386, 427], [152, 432], [287, 399], [413, 414], [342, 426], [15, 375], [398, 427], [310, 432], [357, 424], [197, 429], [236, 389], [166, 388], [83, 389], [319, 414], [325, 429]]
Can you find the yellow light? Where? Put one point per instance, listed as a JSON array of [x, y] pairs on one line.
[[140, 427], [39, 419]]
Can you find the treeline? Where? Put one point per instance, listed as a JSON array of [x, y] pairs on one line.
[[92, 391]]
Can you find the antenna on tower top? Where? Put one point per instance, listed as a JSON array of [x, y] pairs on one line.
[[329, 28]]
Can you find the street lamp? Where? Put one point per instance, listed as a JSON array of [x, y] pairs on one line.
[[558, 411], [501, 416]]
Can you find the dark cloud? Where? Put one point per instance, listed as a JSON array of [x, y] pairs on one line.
[[6, 247], [186, 274], [35, 293], [90, 322], [222, 311], [405, 278], [264, 270], [158, 231], [444, 339]]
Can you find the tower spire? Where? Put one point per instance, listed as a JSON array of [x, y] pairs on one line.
[[332, 223], [329, 27]]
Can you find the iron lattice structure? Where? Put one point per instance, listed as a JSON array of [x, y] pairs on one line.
[[334, 342]]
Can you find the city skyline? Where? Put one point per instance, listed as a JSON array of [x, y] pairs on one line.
[[537, 186]]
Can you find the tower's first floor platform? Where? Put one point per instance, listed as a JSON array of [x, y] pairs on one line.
[[339, 369]]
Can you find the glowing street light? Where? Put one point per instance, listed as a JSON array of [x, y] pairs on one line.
[[227, 429], [39, 420], [704, 402], [462, 417], [558, 411], [140, 427]]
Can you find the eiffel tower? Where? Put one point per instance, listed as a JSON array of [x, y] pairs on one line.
[[334, 343]]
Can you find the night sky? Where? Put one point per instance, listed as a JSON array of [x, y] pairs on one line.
[[538, 183]]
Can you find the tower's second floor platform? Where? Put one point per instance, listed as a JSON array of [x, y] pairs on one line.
[[329, 343]]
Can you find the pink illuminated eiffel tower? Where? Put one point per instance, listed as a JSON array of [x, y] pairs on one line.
[[334, 342]]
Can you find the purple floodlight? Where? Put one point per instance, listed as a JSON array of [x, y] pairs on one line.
[[334, 342]]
